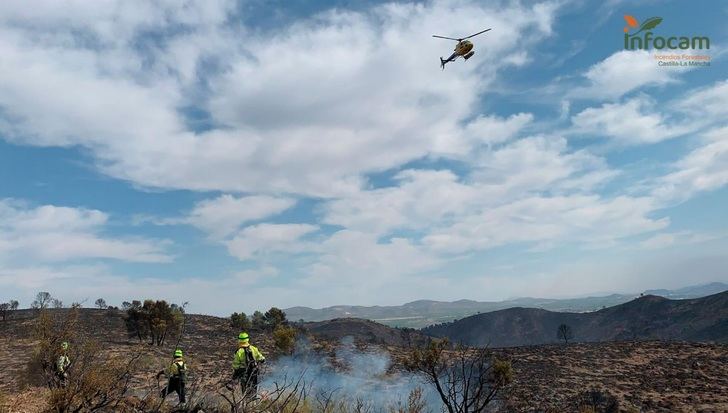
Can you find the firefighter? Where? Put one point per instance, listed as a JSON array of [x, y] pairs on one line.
[[62, 364], [246, 366], [177, 376]]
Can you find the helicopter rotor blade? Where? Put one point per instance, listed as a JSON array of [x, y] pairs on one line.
[[473, 35], [443, 37]]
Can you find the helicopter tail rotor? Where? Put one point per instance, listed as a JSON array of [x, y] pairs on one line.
[[442, 63]]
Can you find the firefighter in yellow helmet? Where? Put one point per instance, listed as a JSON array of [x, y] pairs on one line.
[[177, 376], [246, 366]]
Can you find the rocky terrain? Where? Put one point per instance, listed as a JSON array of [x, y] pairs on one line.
[[645, 318], [640, 375]]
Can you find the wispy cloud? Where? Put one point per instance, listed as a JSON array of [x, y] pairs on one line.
[[50, 233]]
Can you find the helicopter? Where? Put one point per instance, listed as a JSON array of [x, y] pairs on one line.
[[464, 48]]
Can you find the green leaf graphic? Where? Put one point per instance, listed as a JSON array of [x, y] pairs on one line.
[[651, 23]]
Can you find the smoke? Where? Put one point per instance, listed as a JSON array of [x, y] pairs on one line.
[[350, 374]]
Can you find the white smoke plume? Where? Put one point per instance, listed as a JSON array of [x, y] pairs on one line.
[[351, 374]]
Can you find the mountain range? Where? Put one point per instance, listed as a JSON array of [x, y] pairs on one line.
[[422, 313], [648, 317]]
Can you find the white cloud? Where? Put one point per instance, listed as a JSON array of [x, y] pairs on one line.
[[536, 164], [255, 276], [532, 190], [284, 122], [36, 278], [680, 238], [711, 101], [267, 239], [633, 122], [16, 216], [586, 219], [348, 255], [51, 233], [223, 216], [425, 199], [352, 264], [422, 197], [659, 241], [703, 169], [623, 72], [112, 20], [492, 130]]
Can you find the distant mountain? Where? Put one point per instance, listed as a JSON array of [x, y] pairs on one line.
[[694, 291], [647, 317], [418, 314], [422, 313]]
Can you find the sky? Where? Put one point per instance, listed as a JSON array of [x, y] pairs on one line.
[[239, 155]]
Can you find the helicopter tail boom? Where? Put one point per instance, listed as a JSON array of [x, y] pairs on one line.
[[449, 59]]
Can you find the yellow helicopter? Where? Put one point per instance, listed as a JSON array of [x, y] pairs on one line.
[[464, 48]]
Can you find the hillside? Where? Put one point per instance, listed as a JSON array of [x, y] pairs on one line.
[[643, 376], [364, 331], [645, 318], [422, 313], [208, 340]]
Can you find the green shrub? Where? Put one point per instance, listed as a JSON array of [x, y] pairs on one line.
[[284, 338], [240, 321]]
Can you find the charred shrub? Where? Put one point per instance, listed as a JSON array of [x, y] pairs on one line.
[[597, 401], [468, 380]]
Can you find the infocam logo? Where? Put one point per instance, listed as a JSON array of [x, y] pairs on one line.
[[647, 40]]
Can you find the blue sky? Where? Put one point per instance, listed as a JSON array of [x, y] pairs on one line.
[[245, 154]]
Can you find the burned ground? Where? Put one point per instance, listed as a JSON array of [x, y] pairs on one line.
[[641, 375]]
